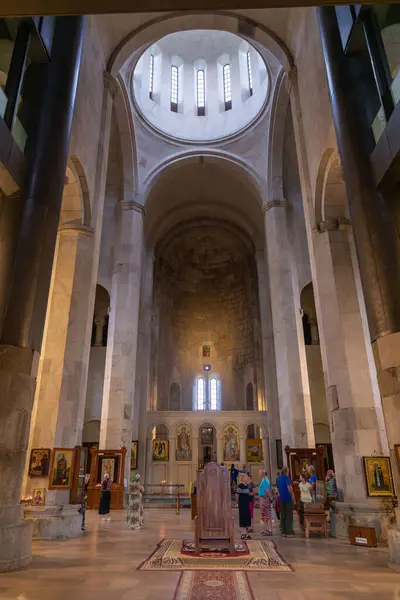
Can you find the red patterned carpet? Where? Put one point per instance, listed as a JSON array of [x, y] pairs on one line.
[[253, 556], [218, 585]]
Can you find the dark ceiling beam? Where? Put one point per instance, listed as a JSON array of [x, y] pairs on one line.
[[23, 8]]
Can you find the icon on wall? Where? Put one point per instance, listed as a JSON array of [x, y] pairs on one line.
[[231, 443], [378, 476], [134, 454], [206, 351], [160, 450], [254, 450], [183, 442], [38, 496], [62, 468], [40, 462]]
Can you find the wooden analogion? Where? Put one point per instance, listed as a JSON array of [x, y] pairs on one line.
[[214, 527]]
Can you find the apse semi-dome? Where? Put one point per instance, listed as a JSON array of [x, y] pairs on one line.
[[200, 85]]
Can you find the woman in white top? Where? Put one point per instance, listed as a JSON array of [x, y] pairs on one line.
[[305, 497]]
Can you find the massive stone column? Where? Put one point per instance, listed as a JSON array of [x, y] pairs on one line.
[[355, 414], [27, 301], [375, 232], [119, 382], [143, 359], [291, 366], [57, 419], [58, 414], [269, 364]]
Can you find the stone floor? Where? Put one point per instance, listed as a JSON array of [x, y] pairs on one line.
[[102, 565]]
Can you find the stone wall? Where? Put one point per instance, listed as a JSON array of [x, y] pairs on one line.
[[216, 309]]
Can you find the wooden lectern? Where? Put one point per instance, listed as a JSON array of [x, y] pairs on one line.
[[214, 527]]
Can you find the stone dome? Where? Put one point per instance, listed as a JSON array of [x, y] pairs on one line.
[[200, 85]]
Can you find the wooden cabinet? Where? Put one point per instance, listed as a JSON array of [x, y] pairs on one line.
[[115, 462], [362, 536]]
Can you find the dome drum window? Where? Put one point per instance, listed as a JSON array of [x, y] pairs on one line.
[[174, 88], [201, 101], [249, 73], [151, 76], [227, 87]]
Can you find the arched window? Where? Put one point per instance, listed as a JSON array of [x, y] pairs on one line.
[[151, 76], [174, 88], [201, 99], [200, 396], [227, 86], [213, 393], [250, 76]]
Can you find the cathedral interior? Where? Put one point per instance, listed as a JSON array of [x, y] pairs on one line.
[[200, 263]]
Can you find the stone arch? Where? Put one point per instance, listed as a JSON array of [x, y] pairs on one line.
[[75, 207], [263, 39], [126, 131], [276, 135], [162, 216], [161, 429], [176, 160], [330, 192]]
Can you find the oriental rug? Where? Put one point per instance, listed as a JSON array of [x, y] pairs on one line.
[[218, 585], [254, 556]]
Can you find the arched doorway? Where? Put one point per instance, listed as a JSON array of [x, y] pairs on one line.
[[207, 444]]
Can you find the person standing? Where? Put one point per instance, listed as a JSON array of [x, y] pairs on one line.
[[331, 487], [252, 488], [82, 508], [135, 503], [305, 497], [234, 476], [312, 480], [243, 500], [105, 498], [286, 502], [264, 491]]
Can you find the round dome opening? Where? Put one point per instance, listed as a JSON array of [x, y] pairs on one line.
[[200, 85]]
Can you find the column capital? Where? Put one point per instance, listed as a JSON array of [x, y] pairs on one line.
[[273, 204], [111, 83], [132, 205], [334, 224], [76, 228]]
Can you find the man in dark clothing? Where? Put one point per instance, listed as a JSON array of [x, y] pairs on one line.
[[286, 502]]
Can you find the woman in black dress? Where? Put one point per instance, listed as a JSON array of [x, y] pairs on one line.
[[105, 498], [243, 500]]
